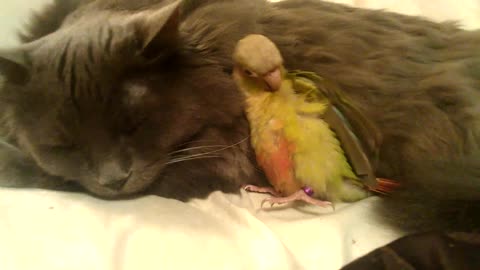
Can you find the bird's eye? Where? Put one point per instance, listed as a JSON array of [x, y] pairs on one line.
[[248, 73]]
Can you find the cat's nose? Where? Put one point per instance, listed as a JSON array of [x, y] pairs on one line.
[[113, 176], [117, 184]]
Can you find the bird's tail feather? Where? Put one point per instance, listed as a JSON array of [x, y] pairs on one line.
[[385, 186]]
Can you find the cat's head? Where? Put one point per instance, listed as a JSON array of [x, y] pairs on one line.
[[107, 99]]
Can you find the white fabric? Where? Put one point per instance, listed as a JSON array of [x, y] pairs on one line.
[[58, 231]]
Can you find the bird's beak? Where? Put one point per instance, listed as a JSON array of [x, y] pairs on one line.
[[273, 79]]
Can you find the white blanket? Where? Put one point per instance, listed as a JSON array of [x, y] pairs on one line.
[[63, 231]]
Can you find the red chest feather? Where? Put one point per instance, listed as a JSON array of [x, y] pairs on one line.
[[277, 163]]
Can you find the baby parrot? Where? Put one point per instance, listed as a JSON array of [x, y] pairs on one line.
[[294, 144]]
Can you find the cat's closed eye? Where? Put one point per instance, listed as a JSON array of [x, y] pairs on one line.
[[57, 141], [58, 145], [61, 148], [130, 125]]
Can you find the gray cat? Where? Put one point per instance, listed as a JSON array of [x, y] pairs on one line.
[[133, 97]]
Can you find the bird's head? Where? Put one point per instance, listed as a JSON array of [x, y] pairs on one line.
[[258, 64]]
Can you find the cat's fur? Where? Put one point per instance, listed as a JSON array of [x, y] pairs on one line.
[[116, 91]]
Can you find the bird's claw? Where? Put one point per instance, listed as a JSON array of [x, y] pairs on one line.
[[267, 200], [297, 196], [269, 190]]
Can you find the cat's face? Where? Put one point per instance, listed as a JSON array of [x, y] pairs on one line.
[[111, 103]]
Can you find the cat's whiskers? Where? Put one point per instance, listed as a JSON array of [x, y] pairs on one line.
[[207, 154], [176, 160], [195, 141], [195, 148]]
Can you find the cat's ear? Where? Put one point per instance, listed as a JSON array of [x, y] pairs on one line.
[[14, 65], [157, 31]]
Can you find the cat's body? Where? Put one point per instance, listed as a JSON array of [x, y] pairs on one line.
[[146, 97]]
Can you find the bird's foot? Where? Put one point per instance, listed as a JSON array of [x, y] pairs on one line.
[[269, 190], [300, 195]]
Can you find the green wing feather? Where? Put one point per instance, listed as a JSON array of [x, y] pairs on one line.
[[351, 125], [304, 83]]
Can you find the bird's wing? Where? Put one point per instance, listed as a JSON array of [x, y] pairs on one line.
[[359, 137], [360, 162]]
